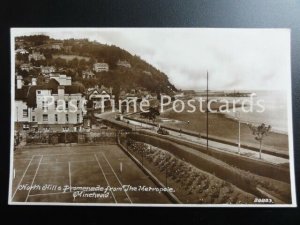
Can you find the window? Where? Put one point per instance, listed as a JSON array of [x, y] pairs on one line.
[[65, 128], [67, 118], [26, 126], [33, 118], [25, 113], [44, 105], [67, 104], [45, 117], [78, 117], [56, 118], [39, 92], [78, 104], [55, 104], [46, 128]]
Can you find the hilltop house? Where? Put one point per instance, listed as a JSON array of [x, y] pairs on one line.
[[26, 66], [62, 79], [100, 67], [147, 72], [53, 45], [21, 51], [36, 56], [123, 63], [87, 74], [34, 106], [46, 70]]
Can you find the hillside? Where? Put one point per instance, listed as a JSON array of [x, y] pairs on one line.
[[140, 74]]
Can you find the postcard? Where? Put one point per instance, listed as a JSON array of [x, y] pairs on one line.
[[174, 117]]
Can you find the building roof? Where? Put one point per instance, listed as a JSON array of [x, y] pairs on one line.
[[101, 64], [28, 93], [100, 91]]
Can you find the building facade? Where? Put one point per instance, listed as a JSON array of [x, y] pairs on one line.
[[123, 63], [36, 56], [87, 74], [62, 79], [47, 69], [21, 51], [50, 108], [100, 97], [100, 67], [26, 67]]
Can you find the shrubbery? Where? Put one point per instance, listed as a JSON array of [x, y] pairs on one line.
[[199, 185]]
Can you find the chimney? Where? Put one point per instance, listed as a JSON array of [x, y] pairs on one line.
[[33, 81], [19, 82]]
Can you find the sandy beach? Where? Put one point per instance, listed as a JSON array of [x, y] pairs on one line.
[[221, 126]]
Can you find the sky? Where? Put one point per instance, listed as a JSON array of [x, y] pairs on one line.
[[235, 59]]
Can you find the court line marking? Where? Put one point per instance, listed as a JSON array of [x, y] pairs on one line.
[[23, 158], [116, 176], [70, 176], [26, 156], [68, 154], [34, 178], [79, 161], [105, 177], [22, 177]]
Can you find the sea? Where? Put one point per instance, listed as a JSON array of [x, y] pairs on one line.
[[275, 113]]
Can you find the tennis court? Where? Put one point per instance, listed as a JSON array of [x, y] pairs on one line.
[[79, 174]]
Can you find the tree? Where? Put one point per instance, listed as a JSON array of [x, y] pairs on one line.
[[23, 73], [22, 57], [116, 92], [260, 132], [151, 114]]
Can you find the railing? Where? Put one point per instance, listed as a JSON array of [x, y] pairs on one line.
[[103, 136]]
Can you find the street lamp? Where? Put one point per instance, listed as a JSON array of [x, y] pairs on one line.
[[239, 134], [180, 130]]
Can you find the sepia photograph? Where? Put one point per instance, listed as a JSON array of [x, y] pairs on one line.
[[189, 117]]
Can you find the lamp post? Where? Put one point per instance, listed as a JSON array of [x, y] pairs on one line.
[[180, 130]]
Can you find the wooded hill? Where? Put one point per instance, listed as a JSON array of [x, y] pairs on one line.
[[141, 73]]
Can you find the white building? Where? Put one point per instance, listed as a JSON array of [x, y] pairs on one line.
[[21, 51], [123, 63], [100, 97], [67, 107], [36, 56], [26, 67], [87, 74], [62, 79], [55, 108], [47, 69], [100, 67]]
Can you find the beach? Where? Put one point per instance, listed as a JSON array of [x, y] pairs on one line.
[[222, 126]]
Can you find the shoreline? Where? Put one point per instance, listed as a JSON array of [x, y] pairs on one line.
[[277, 131], [220, 125]]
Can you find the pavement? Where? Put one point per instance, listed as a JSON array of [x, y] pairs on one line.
[[199, 140]]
